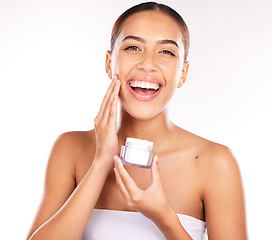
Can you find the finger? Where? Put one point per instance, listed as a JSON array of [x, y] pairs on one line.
[[111, 105], [109, 90], [127, 181], [155, 172], [106, 98], [122, 188], [112, 120]]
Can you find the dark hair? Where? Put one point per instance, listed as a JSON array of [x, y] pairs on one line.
[[155, 7]]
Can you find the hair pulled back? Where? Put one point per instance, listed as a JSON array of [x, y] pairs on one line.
[[147, 6]]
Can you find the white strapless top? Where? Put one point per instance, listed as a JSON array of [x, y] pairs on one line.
[[123, 225]]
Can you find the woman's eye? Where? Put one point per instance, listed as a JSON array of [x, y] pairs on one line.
[[132, 48], [168, 52]]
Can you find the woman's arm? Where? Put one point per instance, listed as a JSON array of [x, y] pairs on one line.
[[223, 196], [64, 215], [70, 220]]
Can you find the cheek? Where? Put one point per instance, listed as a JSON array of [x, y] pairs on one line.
[[119, 67], [122, 90], [115, 68], [172, 73], [123, 67], [115, 63], [175, 72]]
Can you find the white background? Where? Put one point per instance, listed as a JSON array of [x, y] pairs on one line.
[[52, 80]]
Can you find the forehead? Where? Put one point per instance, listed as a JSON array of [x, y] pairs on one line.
[[152, 25]]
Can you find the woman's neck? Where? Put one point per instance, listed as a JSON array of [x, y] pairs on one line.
[[156, 129]]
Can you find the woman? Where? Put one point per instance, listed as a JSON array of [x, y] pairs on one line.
[[193, 183]]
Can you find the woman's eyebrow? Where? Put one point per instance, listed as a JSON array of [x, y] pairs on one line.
[[139, 39], [168, 41]]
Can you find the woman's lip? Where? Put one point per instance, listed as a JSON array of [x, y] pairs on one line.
[[143, 97], [145, 79]]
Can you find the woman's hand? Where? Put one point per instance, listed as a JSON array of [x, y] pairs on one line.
[[153, 203], [105, 124]]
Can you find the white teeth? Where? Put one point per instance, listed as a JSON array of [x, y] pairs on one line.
[[142, 84]]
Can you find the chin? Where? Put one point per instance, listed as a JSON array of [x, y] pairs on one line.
[[140, 112], [142, 117]]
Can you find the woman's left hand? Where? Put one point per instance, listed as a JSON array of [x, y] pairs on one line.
[[153, 202]]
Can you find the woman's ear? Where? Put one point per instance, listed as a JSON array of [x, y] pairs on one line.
[[108, 64], [183, 74]]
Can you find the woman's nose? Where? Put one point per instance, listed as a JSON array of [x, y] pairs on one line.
[[147, 63]]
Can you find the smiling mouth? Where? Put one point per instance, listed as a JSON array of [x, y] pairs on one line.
[[144, 88]]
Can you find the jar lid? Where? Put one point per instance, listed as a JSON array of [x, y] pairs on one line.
[[139, 143]]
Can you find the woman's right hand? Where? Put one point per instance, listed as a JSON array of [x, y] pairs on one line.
[[62, 199], [105, 124]]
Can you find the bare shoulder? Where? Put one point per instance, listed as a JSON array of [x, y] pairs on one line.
[[218, 159], [75, 141], [71, 150], [210, 155], [213, 160]]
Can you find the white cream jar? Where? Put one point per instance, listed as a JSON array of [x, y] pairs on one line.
[[137, 153]]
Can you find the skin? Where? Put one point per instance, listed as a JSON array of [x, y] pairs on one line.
[[190, 175]]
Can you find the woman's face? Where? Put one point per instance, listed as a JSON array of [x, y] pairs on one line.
[[148, 59]]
